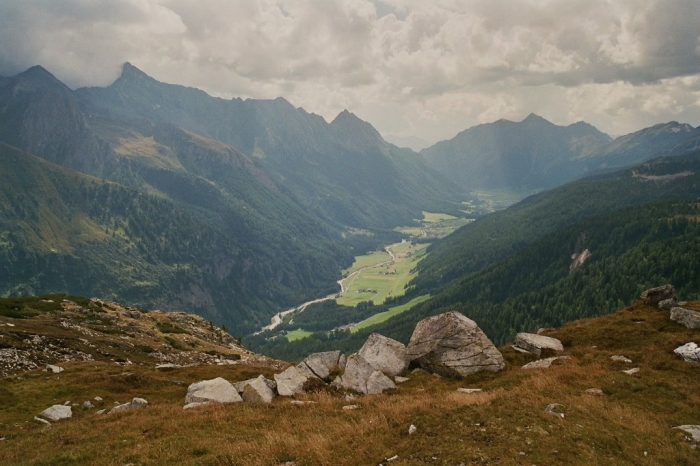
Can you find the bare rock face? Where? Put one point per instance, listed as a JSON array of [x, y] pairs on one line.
[[384, 354], [291, 381], [257, 391], [453, 345], [57, 413], [321, 364], [534, 343], [653, 296], [687, 317], [218, 390]]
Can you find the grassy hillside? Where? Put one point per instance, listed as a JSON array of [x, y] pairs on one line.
[[631, 424]]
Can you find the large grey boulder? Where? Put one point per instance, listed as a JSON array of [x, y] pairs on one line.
[[257, 391], [240, 386], [216, 390], [321, 364], [687, 317], [57, 413], [384, 354], [534, 343], [653, 296], [291, 381], [453, 345], [360, 376], [689, 352]]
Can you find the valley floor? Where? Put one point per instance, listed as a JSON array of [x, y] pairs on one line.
[[630, 424]]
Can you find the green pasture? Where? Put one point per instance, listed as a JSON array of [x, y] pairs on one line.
[[382, 316], [297, 334]]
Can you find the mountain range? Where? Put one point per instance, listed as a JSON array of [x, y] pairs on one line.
[[163, 196]]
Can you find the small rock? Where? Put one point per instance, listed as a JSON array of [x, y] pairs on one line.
[[469, 390], [543, 363], [555, 409], [102, 411], [167, 366], [43, 421], [595, 392], [378, 382], [399, 379], [88, 405], [57, 412], [631, 371], [54, 369], [67, 403], [393, 458], [689, 352], [351, 407], [686, 317], [620, 358], [97, 398], [412, 429], [536, 343], [196, 404], [300, 403], [139, 403]]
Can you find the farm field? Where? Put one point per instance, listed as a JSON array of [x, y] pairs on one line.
[[434, 225], [382, 316]]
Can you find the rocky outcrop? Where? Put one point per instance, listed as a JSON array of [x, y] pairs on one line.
[[653, 296], [257, 391], [384, 354], [57, 413], [453, 345], [686, 317], [217, 390], [534, 343], [689, 352]]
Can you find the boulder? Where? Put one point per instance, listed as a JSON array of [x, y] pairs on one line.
[[356, 375], [689, 352], [686, 317], [653, 296], [217, 390], [239, 386], [378, 382], [692, 430], [321, 364], [534, 343], [543, 363], [667, 304], [257, 391], [291, 381], [453, 345], [384, 354], [57, 413]]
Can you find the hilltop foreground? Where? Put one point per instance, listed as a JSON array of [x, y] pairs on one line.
[[113, 351]]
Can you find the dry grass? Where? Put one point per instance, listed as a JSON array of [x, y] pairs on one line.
[[505, 424]]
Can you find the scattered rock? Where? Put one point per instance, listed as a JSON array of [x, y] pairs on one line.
[[43, 421], [469, 391], [689, 352], [57, 412], [54, 369], [693, 431], [102, 411], [67, 403], [321, 364], [543, 363], [519, 350], [168, 365], [686, 317], [217, 390], [653, 296], [351, 407], [88, 405], [667, 304], [196, 404], [399, 379], [555, 409], [97, 398], [290, 382], [453, 345], [412, 429], [257, 391], [300, 403], [534, 343], [620, 358], [384, 354], [631, 371], [595, 392], [136, 403]]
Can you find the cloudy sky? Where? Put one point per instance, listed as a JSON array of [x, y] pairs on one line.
[[413, 68]]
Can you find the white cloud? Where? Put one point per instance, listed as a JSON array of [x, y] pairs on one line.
[[410, 67]]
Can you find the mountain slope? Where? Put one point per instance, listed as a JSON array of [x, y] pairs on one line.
[[344, 171]]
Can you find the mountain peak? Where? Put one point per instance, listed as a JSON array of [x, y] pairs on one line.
[[131, 73], [533, 118], [350, 123]]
